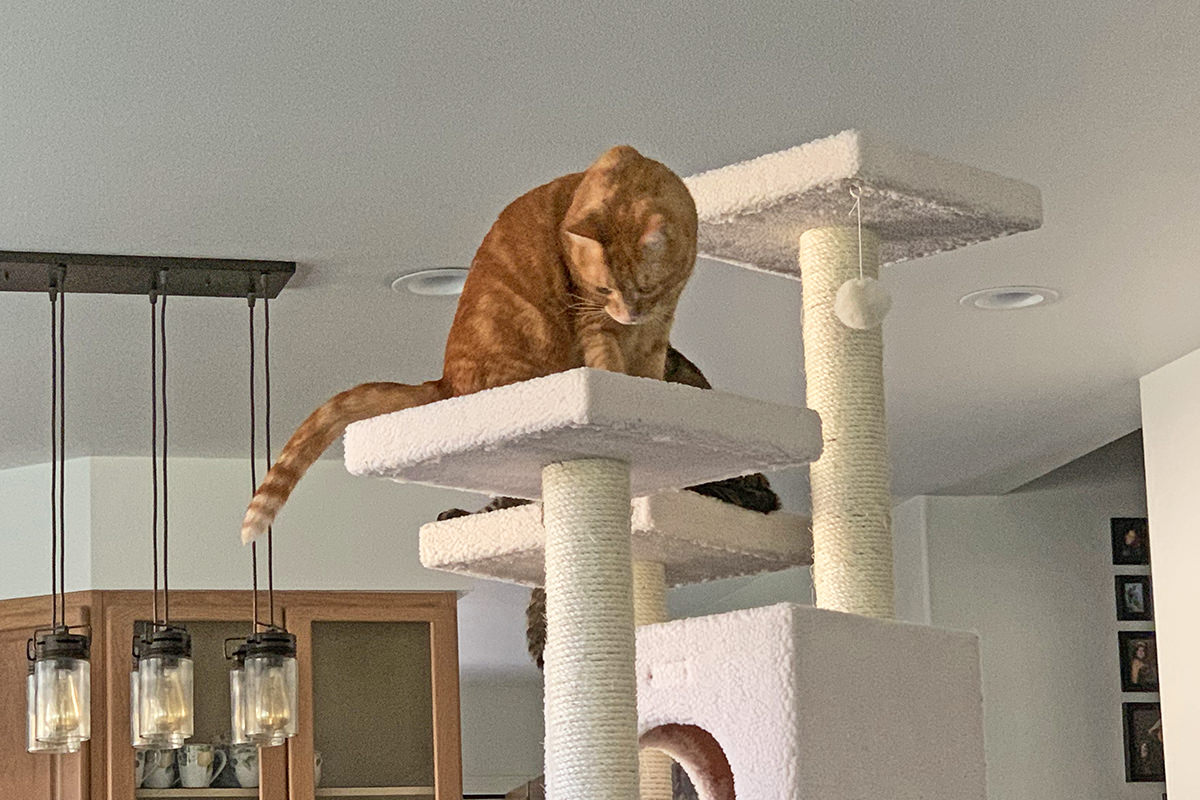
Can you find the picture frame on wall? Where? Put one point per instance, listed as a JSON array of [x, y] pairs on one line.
[[1139, 661], [1130, 540], [1143, 742], [1135, 598]]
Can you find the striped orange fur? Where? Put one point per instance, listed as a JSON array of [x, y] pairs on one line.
[[583, 271]]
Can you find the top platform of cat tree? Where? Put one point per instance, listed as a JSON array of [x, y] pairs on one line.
[[497, 441], [752, 213]]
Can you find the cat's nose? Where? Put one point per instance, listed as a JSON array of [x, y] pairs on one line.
[[625, 316]]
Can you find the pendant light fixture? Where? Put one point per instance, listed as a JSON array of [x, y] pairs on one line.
[[58, 685], [161, 684], [262, 682]]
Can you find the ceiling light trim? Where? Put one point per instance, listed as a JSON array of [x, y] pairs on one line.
[[1010, 298]]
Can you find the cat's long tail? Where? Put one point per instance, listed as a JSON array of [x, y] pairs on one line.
[[319, 431]]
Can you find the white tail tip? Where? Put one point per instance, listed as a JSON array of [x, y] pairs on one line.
[[254, 525]]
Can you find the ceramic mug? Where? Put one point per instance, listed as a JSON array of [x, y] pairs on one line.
[[244, 758], [158, 770], [199, 764]]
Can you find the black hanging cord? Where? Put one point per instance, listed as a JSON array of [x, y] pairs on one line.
[[253, 466], [62, 450], [267, 438], [154, 438], [54, 453], [162, 319]]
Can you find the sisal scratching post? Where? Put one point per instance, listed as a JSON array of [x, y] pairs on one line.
[[910, 205], [649, 607], [591, 688], [649, 593], [851, 494]]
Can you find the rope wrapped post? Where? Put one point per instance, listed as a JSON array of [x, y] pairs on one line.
[[649, 607], [851, 492], [649, 593], [591, 687]]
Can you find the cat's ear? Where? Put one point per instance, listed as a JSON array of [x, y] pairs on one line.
[[589, 225], [654, 236], [615, 155]]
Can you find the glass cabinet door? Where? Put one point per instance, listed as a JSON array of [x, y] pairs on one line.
[[210, 618], [373, 706], [378, 698]]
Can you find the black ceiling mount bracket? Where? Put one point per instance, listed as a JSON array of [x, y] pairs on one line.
[[116, 274]]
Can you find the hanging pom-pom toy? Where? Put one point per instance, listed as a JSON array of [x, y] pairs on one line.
[[861, 303]]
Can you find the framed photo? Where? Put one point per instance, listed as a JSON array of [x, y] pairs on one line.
[[1143, 742], [1139, 661], [1135, 600], [1130, 540]]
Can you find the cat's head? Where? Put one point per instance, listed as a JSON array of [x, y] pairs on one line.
[[630, 237]]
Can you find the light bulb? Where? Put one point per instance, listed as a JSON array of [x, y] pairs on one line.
[[63, 708], [272, 707], [166, 707]]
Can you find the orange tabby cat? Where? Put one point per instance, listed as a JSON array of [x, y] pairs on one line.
[[583, 271]]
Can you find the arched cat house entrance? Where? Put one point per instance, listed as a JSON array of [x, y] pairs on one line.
[[700, 755]]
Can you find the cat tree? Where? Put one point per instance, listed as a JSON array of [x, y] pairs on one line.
[[677, 538], [585, 441], [803, 702]]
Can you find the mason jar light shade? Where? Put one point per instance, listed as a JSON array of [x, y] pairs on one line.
[[164, 695], [237, 698], [32, 744], [135, 717], [62, 689], [270, 687]]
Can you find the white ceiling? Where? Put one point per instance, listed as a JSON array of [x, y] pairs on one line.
[[368, 139]]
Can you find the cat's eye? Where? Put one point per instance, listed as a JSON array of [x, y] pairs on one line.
[[603, 290]]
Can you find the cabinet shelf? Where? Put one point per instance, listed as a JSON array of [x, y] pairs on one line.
[[377, 791], [205, 794]]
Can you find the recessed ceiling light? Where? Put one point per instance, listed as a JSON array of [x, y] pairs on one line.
[[1009, 298], [443, 281]]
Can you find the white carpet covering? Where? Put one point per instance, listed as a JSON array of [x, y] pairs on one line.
[[696, 538], [753, 213], [808, 703], [497, 441]]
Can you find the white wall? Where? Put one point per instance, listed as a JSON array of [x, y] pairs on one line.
[[336, 532], [1032, 573], [504, 749], [1171, 426], [25, 529], [911, 560]]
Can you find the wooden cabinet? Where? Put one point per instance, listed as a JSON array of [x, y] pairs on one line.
[[378, 682], [22, 774]]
